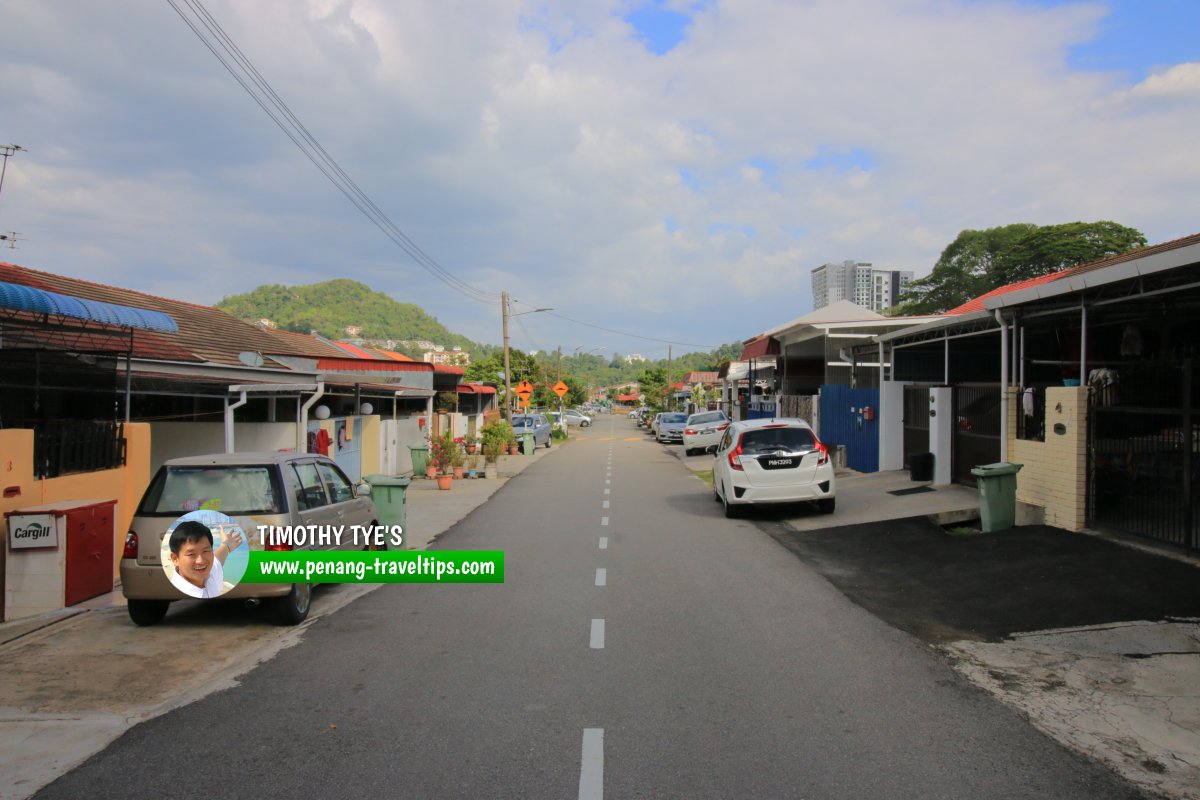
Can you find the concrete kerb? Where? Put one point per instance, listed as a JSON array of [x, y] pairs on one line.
[[66, 689]]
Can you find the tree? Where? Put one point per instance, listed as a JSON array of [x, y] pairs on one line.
[[978, 261]]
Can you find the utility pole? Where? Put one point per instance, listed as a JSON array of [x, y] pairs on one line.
[[669, 392], [7, 150], [507, 372]]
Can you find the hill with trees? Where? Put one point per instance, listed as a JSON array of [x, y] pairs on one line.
[[329, 308]]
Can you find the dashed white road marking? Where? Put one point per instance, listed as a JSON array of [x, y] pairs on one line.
[[604, 520], [603, 542], [606, 504], [597, 641], [591, 768], [601, 576]]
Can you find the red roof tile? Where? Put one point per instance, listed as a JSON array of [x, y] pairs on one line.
[[977, 303]]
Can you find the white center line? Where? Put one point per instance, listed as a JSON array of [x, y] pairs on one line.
[[597, 634], [601, 576], [604, 520], [607, 480], [591, 769], [603, 542], [608, 491], [606, 504]]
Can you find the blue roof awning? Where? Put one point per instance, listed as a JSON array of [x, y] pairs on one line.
[[16, 297]]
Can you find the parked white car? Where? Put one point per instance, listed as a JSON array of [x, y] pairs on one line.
[[763, 461], [575, 417], [703, 431]]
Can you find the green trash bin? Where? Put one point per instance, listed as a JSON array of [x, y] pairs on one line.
[[420, 458], [997, 495], [527, 444], [388, 492]]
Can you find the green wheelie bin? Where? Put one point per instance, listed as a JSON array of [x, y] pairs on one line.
[[388, 492], [997, 495]]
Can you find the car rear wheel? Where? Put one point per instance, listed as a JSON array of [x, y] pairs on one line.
[[292, 608], [587, 424], [826, 506], [148, 612], [731, 511]]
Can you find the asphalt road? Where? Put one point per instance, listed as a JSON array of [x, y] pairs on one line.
[[704, 661]]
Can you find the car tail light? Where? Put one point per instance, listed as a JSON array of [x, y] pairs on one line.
[[131, 545], [735, 457], [688, 432], [723, 426], [824, 451]]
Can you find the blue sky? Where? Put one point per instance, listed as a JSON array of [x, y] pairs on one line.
[[673, 170]]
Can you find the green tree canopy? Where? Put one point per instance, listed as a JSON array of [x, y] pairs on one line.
[[978, 261]]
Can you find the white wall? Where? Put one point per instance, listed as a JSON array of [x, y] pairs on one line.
[[395, 439], [941, 433], [176, 439]]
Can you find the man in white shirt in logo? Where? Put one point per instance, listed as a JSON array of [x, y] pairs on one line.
[[199, 570]]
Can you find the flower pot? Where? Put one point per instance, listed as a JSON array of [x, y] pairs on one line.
[[445, 481], [458, 472], [470, 449], [431, 471], [471, 474], [514, 450]]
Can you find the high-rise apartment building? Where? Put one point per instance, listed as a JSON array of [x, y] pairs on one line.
[[860, 283]]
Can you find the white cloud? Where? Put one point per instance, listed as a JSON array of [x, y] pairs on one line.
[[539, 149]]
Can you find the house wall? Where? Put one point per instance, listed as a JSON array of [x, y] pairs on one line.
[[178, 439], [1054, 475], [125, 485]]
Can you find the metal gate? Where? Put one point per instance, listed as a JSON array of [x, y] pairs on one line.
[[1142, 455], [849, 418], [976, 428], [916, 421]]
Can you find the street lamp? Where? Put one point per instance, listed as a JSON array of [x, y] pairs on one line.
[[504, 315]]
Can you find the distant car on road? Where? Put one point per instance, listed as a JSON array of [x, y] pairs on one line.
[[575, 417], [703, 431], [670, 427], [764, 461], [537, 424], [254, 489]]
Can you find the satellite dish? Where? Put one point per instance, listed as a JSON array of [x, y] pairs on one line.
[[250, 358]]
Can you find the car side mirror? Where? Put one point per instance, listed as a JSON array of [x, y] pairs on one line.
[[362, 489]]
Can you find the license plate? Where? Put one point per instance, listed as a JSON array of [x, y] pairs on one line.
[[778, 463]]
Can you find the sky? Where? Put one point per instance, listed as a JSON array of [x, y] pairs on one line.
[[662, 173]]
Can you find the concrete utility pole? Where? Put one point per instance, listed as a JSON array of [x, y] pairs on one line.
[[505, 313], [7, 150], [507, 371]]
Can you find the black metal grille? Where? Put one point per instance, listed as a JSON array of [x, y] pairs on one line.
[[976, 429], [1143, 465], [64, 447], [916, 421]]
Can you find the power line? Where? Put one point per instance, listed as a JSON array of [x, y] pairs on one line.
[[213, 36], [245, 73]]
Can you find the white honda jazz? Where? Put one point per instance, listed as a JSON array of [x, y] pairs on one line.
[[763, 461]]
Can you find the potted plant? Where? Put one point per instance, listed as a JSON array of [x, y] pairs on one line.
[[496, 437], [456, 461], [491, 452], [441, 450], [445, 481]]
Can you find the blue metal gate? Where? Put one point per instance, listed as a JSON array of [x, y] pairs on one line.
[[850, 417]]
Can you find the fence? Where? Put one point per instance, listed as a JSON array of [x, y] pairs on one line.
[[78, 446]]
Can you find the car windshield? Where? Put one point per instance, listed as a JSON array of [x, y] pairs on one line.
[[524, 422], [769, 440], [700, 419], [243, 489], [674, 418]]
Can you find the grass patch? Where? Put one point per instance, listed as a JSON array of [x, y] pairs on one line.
[[705, 475], [962, 530]]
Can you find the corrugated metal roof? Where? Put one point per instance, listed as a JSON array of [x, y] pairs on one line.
[[16, 297]]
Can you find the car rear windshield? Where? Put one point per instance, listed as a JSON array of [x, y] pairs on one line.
[[249, 489], [524, 422], [674, 418], [700, 419], [768, 440]]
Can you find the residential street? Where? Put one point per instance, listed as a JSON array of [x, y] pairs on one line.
[[641, 646]]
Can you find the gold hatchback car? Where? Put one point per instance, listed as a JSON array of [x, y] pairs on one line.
[[253, 490]]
